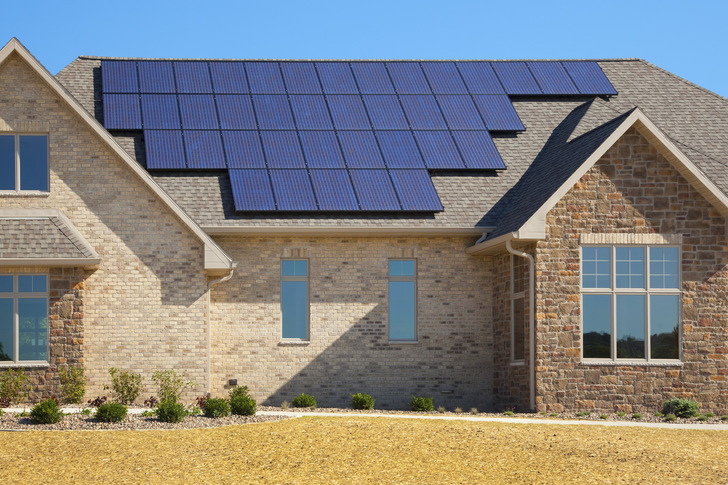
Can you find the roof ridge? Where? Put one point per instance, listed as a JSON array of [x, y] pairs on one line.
[[65, 230], [689, 83], [89, 57]]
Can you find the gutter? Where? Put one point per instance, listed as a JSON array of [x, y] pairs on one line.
[[208, 371]]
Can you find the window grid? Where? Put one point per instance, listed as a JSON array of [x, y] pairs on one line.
[[295, 270], [16, 294], [17, 163], [519, 270], [411, 277]]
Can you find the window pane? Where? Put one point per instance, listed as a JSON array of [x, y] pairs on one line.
[[519, 331], [630, 267], [6, 329], [663, 267], [294, 308], [6, 283], [7, 162], [630, 327], [400, 267], [597, 317], [401, 310], [595, 269], [290, 267], [34, 163], [31, 283], [32, 328], [665, 326], [520, 273]]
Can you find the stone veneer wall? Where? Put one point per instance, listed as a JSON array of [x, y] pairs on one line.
[[632, 190], [348, 351]]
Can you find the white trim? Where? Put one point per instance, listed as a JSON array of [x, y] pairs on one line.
[[88, 263]]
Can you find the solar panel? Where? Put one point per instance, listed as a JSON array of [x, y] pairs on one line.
[[321, 149], [423, 113], [336, 78], [192, 77], [516, 78], [164, 149], [348, 112], [498, 112], [310, 112], [119, 77], [204, 149], [374, 190], [122, 112], [160, 111], [444, 78], [415, 190], [236, 112], [385, 112], [198, 111], [360, 149], [293, 191], [399, 149], [460, 112], [552, 78], [300, 78], [273, 112], [478, 150], [589, 77], [229, 77], [439, 150], [252, 190], [334, 190], [480, 78], [408, 78], [372, 78], [156, 77], [282, 149], [264, 78], [243, 149]]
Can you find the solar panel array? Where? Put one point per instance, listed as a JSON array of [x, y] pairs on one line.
[[330, 136]]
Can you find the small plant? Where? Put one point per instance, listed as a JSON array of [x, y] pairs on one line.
[[304, 401], [441, 409], [658, 414], [241, 402], [23, 413], [171, 412], [147, 413], [46, 412], [73, 384], [111, 412], [554, 415], [1, 413], [709, 415], [151, 402], [473, 411], [702, 417], [621, 414], [421, 404], [542, 413], [603, 416], [14, 387], [362, 401], [96, 402], [86, 412], [201, 402], [458, 410], [126, 385], [682, 408], [195, 411], [285, 405], [508, 412], [636, 416], [724, 418], [670, 418], [217, 407], [171, 385], [583, 414]]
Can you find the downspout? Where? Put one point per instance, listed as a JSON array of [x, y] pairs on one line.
[[531, 319], [208, 371]]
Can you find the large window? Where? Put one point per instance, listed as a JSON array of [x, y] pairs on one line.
[[631, 302], [24, 162], [294, 298], [519, 278], [23, 318], [402, 300]]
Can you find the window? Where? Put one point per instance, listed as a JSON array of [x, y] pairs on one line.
[[23, 318], [402, 299], [631, 302], [519, 277], [294, 298], [24, 162]]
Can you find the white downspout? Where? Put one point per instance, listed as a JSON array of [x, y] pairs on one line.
[[531, 319], [208, 371]]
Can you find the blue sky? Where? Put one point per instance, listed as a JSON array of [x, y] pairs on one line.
[[686, 38]]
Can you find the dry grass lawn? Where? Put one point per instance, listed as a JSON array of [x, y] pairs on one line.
[[374, 450]]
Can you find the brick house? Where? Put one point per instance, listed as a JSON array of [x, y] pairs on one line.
[[548, 235]]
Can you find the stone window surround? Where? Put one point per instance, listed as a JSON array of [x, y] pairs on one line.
[[27, 129], [15, 294]]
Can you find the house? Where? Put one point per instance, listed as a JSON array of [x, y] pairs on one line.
[[547, 235]]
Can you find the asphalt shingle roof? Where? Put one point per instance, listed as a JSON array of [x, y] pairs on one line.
[[41, 237]]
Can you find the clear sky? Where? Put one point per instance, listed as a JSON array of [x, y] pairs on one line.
[[688, 38]]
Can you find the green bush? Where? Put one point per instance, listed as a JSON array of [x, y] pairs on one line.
[[73, 384], [304, 401], [709, 415], [670, 417], [111, 412], [241, 402], [702, 418], [420, 403], [217, 407], [170, 384], [362, 401], [636, 416], [603, 416], [14, 387], [46, 412], [171, 412], [682, 408], [86, 412], [126, 385]]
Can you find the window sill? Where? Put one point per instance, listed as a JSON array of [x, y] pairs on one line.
[[28, 193], [630, 363], [518, 363], [26, 365], [403, 342], [293, 343]]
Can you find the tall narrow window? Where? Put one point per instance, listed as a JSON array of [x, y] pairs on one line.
[[23, 318], [24, 162], [519, 275], [294, 298], [402, 299]]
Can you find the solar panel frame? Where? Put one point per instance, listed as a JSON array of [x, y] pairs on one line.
[[408, 78], [160, 111], [252, 190], [589, 77], [415, 190], [444, 78], [552, 78], [423, 112], [516, 78], [236, 112], [198, 111], [282, 149], [498, 112], [122, 112], [203, 149], [385, 112], [119, 77], [293, 190], [348, 112], [374, 190], [310, 112], [273, 112], [439, 150], [264, 78], [372, 78], [243, 149], [229, 77], [321, 149], [164, 149], [156, 77], [360, 149], [334, 190], [478, 150], [480, 78], [300, 78], [192, 77], [336, 78], [399, 149], [460, 112]]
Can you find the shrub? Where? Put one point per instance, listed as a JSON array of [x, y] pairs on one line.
[[420, 403], [724, 418], [363, 401], [709, 415], [603, 416], [195, 411], [636, 416], [670, 417], [46, 412], [682, 408], [148, 413], [702, 418], [542, 413], [473, 410], [98, 401], [126, 385], [201, 402], [458, 410], [621, 414], [171, 412], [14, 387], [217, 407], [304, 401], [658, 414], [508, 412], [151, 402], [242, 403], [171, 385], [111, 412], [86, 412], [441, 409], [285, 405], [553, 415], [73, 384]]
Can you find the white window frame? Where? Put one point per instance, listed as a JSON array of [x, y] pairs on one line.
[[515, 296], [412, 279], [647, 291], [15, 295], [17, 189], [308, 298]]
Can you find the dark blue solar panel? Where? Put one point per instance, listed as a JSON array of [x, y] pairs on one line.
[[243, 149], [374, 189], [122, 112], [252, 190], [444, 78], [229, 77], [415, 190], [498, 112], [478, 150], [310, 112], [300, 78], [423, 112], [516, 78], [321, 149], [164, 149], [460, 112], [333, 190], [372, 78], [552, 78], [408, 78], [160, 111], [282, 149], [348, 112], [439, 150], [385, 112], [119, 77], [156, 77], [265, 77], [480, 78], [336, 78], [293, 191], [399, 149], [192, 77], [204, 149], [360, 149], [589, 77], [236, 112], [198, 111], [273, 112]]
